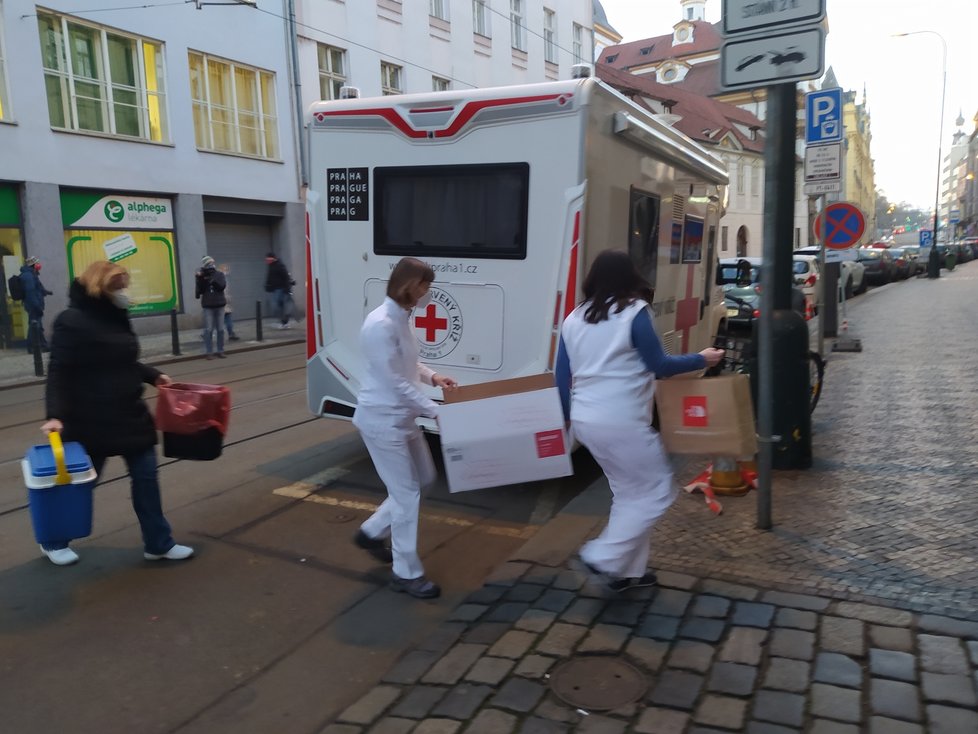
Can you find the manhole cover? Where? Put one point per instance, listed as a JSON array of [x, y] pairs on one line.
[[597, 683]]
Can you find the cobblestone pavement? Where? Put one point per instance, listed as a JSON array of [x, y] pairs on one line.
[[856, 613]]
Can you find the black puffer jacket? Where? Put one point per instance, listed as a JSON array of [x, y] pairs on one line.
[[95, 379], [211, 284]]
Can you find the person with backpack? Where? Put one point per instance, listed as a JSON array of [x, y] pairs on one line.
[[32, 293], [210, 290]]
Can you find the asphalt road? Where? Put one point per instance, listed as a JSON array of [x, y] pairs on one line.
[[279, 622]]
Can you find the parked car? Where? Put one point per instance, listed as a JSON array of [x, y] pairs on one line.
[[727, 271], [808, 276], [743, 306], [851, 273], [901, 264], [916, 264], [878, 264], [971, 242]]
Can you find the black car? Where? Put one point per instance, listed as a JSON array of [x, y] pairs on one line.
[[743, 306], [878, 264]]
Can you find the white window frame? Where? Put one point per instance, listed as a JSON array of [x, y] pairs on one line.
[[391, 79], [577, 46], [68, 80], [330, 76], [517, 20], [260, 113], [438, 9], [440, 84], [6, 113], [481, 22], [550, 35]]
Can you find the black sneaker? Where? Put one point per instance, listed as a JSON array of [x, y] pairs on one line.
[[619, 585], [377, 547], [419, 588]]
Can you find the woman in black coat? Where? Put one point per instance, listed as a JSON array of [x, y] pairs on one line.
[[94, 396]]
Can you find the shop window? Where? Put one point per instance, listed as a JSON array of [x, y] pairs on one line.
[[234, 107], [100, 80]]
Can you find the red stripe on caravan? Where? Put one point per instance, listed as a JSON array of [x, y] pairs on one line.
[[467, 113], [430, 109], [310, 313], [570, 292]]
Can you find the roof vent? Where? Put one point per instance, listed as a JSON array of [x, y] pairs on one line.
[[582, 71], [349, 93]]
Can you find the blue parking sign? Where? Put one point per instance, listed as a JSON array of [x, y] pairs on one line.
[[823, 116], [926, 238]]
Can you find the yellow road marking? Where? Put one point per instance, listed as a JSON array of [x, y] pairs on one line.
[[306, 491]]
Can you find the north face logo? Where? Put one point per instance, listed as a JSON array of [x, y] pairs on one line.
[[694, 411]]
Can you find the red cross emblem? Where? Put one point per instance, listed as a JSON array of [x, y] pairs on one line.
[[687, 311], [430, 323]]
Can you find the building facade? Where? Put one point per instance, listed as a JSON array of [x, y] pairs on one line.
[[688, 58], [152, 135]]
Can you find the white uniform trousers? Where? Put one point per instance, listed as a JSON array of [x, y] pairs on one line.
[[638, 471], [404, 464]]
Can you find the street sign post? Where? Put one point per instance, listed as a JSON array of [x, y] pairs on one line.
[[926, 238], [823, 116], [823, 163], [775, 58], [744, 16], [844, 225]]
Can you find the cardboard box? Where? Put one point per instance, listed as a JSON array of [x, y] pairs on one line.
[[712, 416], [503, 432]]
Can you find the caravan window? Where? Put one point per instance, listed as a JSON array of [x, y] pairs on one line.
[[452, 211], [643, 233]]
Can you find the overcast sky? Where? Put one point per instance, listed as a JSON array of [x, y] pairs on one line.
[[902, 75]]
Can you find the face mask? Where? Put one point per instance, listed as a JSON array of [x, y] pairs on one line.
[[424, 300], [120, 299]]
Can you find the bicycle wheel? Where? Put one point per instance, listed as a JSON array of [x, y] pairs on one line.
[[816, 370]]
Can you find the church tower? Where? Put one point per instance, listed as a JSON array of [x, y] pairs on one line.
[[693, 9]]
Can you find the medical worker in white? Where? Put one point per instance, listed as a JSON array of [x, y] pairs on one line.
[[607, 363], [389, 401]]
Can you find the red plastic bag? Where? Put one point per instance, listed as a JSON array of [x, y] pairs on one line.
[[184, 408]]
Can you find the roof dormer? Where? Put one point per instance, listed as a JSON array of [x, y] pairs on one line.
[[671, 71], [682, 32]]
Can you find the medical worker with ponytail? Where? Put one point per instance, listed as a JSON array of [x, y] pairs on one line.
[[607, 364], [389, 401]]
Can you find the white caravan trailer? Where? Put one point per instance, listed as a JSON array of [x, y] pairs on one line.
[[508, 193]]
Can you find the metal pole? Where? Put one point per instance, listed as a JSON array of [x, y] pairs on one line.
[[35, 328], [258, 335], [821, 259], [779, 177], [933, 262], [174, 333]]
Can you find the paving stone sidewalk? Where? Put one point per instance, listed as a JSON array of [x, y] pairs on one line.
[[858, 612], [714, 656]]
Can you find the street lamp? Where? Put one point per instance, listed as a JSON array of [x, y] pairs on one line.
[[933, 262]]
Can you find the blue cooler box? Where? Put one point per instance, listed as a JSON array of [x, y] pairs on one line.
[[60, 479]]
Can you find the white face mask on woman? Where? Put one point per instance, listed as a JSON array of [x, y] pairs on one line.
[[120, 298]]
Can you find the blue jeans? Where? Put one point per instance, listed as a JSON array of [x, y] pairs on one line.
[[229, 323], [283, 304], [145, 501], [214, 321]]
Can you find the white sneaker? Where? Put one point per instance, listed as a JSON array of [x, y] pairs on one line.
[[61, 557], [283, 326], [176, 553]]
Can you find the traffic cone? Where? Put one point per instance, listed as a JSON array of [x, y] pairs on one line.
[[809, 310]]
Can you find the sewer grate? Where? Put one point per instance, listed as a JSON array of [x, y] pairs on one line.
[[597, 683]]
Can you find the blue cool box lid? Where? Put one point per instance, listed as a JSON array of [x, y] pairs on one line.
[[41, 460]]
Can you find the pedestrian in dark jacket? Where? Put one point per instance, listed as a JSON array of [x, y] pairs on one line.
[[94, 396], [279, 283], [210, 290], [34, 293]]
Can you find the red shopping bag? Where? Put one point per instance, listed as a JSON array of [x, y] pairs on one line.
[[194, 420]]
